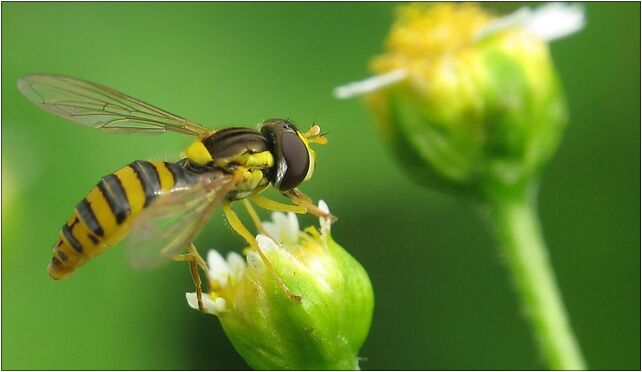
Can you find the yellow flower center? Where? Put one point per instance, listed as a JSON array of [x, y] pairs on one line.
[[423, 34]]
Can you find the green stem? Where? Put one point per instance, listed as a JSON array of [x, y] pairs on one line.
[[515, 219]]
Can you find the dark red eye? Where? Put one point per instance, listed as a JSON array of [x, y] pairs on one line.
[[297, 159], [291, 156]]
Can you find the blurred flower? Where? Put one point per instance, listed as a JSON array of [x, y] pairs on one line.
[[325, 330], [470, 102]]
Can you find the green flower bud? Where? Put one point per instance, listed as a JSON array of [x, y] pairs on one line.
[[271, 330], [468, 101]]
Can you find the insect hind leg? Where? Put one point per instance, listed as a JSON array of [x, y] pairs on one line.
[[195, 261]]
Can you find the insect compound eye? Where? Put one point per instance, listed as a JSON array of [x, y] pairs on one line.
[[297, 159], [291, 153]]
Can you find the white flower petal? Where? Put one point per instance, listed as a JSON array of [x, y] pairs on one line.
[[218, 267], [236, 264], [368, 85], [283, 228], [281, 221], [325, 223], [214, 307], [272, 229], [551, 21], [556, 20], [324, 206], [278, 218], [192, 300], [291, 229]]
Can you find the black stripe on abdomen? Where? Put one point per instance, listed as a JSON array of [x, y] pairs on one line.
[[173, 170], [181, 177], [149, 178], [113, 191], [63, 257], [71, 239], [88, 217]]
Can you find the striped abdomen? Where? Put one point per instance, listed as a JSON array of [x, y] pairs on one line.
[[103, 217]]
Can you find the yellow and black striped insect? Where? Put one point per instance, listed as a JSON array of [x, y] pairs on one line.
[[160, 206]]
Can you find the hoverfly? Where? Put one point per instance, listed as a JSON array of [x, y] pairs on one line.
[[159, 206]]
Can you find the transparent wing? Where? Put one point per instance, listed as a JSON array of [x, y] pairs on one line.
[[100, 107], [165, 228]]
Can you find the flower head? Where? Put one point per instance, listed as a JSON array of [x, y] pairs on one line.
[[325, 330], [468, 100]]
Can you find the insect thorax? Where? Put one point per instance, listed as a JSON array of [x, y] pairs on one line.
[[233, 150]]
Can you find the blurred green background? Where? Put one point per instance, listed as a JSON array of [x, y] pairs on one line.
[[443, 298]]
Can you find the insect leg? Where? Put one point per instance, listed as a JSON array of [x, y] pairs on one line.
[[199, 260], [240, 229], [195, 259], [273, 205], [305, 201], [255, 217]]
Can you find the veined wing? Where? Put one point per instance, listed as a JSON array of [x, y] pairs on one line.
[[101, 107], [165, 228]]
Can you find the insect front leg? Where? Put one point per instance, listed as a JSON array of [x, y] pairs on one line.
[[240, 229], [273, 205], [302, 200]]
